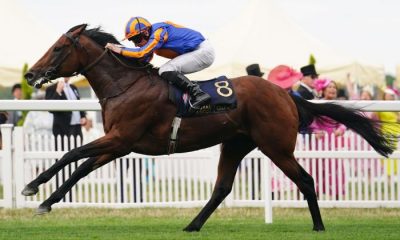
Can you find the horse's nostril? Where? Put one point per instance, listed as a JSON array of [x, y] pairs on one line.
[[29, 76]]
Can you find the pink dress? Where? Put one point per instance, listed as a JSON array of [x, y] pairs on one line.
[[328, 126]]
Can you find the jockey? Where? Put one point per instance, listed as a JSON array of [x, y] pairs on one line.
[[188, 50]]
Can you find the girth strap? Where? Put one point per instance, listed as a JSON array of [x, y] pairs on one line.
[[173, 141]]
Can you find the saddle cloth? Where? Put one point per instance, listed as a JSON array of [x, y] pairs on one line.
[[222, 94]]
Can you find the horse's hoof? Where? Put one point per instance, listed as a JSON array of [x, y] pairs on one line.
[[29, 191], [43, 210], [191, 229], [319, 229]]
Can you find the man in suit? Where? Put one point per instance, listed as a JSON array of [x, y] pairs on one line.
[[66, 123], [306, 88]]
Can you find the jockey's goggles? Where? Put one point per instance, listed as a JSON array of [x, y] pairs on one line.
[[137, 38]]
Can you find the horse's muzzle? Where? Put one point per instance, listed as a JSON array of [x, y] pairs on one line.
[[33, 80], [37, 80]]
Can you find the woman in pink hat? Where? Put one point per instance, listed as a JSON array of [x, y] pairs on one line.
[[328, 90], [320, 127], [285, 77]]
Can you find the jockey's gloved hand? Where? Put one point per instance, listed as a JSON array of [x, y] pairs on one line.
[[114, 47]]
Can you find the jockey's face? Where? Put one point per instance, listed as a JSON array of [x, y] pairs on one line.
[[141, 39]]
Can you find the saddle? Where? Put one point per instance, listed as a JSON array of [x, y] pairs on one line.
[[223, 98]]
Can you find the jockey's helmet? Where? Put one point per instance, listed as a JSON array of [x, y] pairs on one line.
[[135, 26]]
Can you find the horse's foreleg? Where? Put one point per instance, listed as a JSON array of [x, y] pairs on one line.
[[100, 146], [83, 170], [232, 153]]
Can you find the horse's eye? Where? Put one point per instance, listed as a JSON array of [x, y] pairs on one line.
[[57, 49]]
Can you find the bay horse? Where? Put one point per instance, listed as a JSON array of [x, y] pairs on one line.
[[137, 115]]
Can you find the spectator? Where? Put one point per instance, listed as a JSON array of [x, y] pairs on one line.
[[38, 122], [3, 119], [306, 88], [320, 128], [15, 116], [254, 70], [387, 127], [367, 95], [66, 123], [354, 94], [89, 132]]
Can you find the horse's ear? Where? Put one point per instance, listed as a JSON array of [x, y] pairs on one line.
[[78, 29]]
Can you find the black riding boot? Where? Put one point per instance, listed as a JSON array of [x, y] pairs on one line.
[[198, 98]]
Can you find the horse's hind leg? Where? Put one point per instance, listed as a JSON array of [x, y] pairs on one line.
[[232, 152], [100, 146], [288, 164], [83, 170]]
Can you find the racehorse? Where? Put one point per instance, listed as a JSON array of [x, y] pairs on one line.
[[137, 115]]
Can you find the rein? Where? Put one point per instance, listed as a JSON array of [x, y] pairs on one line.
[[99, 58], [126, 65], [121, 90]]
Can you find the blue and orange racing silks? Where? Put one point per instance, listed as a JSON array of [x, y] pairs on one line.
[[167, 40]]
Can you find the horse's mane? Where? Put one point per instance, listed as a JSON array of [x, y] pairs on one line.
[[102, 38]]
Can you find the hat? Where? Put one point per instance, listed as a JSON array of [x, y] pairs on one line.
[[284, 76], [321, 84], [309, 70], [254, 70]]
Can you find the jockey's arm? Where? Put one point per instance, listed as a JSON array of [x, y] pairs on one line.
[[157, 39]]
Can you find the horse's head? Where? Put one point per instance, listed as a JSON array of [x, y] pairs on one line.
[[61, 60]]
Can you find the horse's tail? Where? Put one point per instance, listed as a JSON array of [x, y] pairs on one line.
[[353, 119]]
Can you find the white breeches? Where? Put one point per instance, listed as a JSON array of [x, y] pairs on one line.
[[202, 57]]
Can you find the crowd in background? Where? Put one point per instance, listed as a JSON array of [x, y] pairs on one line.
[[307, 84], [57, 123]]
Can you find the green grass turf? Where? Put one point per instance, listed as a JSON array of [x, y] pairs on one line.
[[226, 223]]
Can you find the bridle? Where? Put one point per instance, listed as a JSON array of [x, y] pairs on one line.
[[75, 43]]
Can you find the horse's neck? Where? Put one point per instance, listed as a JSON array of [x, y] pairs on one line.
[[110, 79]]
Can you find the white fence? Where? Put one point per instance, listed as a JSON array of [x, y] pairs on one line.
[[351, 175]]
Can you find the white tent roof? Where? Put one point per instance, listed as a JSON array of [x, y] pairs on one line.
[[262, 34], [24, 40]]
